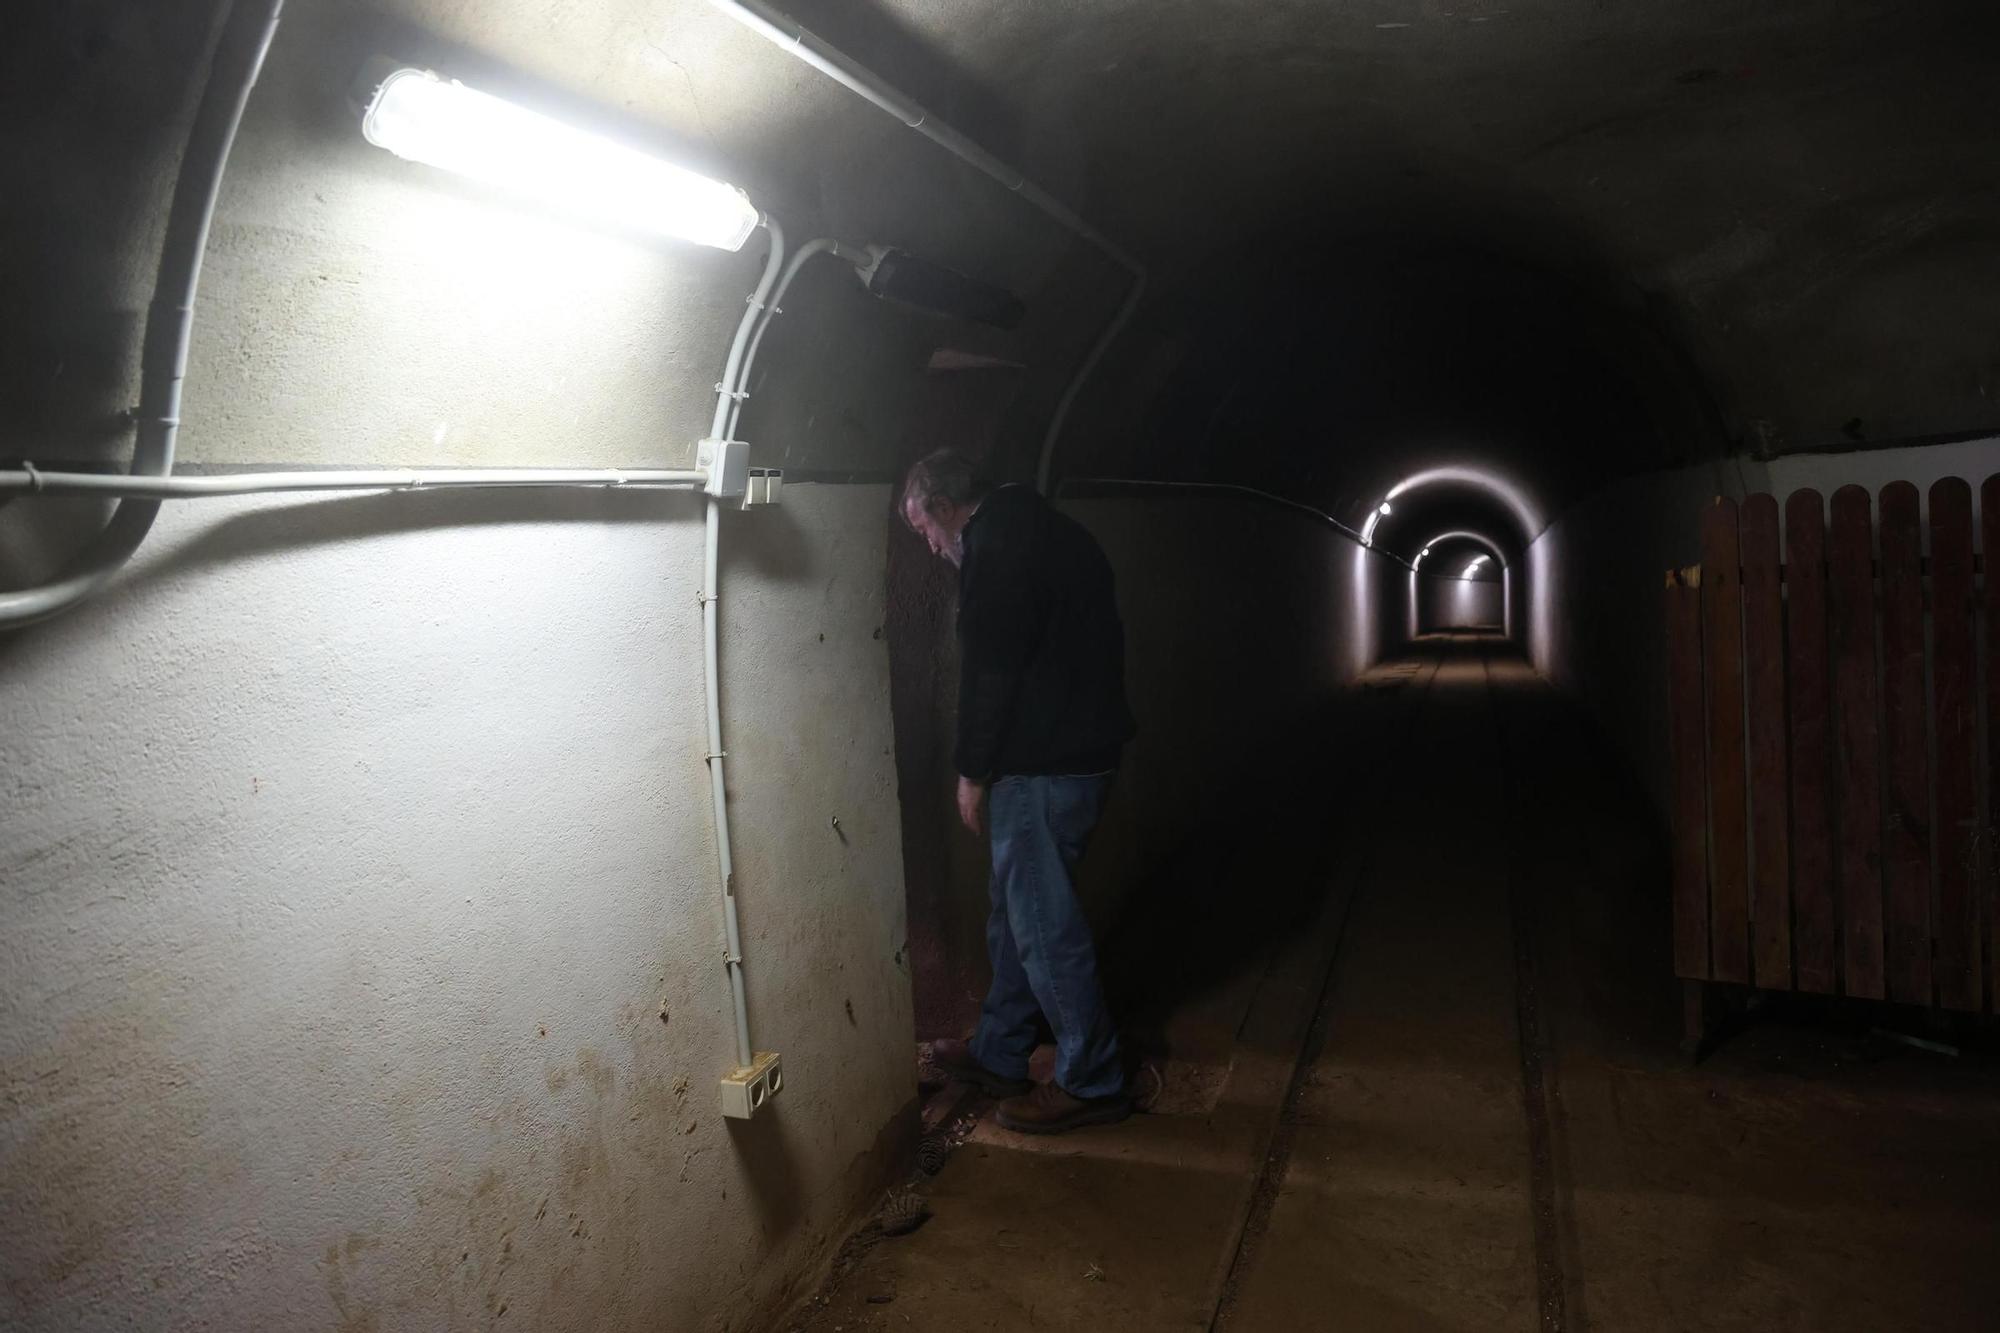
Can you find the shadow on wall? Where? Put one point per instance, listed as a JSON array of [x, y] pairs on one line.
[[1214, 891], [1595, 625], [1240, 619], [771, 1172], [71, 336], [290, 526]]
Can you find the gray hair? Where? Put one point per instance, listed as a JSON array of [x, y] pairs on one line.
[[946, 475]]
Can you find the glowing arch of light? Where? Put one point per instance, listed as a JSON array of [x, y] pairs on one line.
[[1517, 502], [1498, 556], [1462, 534]]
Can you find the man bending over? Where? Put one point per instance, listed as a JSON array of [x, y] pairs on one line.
[[1042, 720]]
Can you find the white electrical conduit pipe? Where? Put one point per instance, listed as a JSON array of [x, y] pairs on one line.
[[727, 396], [796, 40], [247, 33], [247, 30], [823, 245], [35, 481], [729, 390]]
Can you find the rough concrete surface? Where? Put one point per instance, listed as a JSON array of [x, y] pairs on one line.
[[362, 942], [1134, 1226], [359, 309], [329, 811], [1806, 1176], [1797, 198]]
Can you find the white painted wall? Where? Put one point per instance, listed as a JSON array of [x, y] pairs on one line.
[[1974, 460], [359, 935], [1595, 616], [351, 851], [1450, 602]]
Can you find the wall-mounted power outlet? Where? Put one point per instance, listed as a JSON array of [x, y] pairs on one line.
[[748, 1089]]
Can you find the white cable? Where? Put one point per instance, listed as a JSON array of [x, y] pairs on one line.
[[31, 480]]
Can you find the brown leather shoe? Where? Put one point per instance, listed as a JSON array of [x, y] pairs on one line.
[[954, 1056], [1050, 1110]]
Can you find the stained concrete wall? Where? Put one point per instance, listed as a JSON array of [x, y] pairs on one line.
[[1240, 618], [1595, 615], [362, 942], [357, 891]]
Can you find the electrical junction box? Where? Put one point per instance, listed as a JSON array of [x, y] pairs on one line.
[[746, 1090], [727, 463]]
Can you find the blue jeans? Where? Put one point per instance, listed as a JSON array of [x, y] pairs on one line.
[[1037, 938]]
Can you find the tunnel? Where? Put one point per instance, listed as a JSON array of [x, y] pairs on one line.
[[487, 835]]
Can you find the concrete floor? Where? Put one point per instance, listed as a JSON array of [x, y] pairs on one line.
[[1353, 1134]]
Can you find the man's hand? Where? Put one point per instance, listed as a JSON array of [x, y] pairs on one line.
[[972, 804]]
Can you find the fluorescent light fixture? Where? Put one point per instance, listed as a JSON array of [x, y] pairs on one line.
[[442, 123], [1473, 568], [1384, 510]]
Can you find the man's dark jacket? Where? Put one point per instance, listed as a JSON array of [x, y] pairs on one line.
[[1041, 650]]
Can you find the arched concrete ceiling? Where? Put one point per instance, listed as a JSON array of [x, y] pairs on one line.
[[1563, 239], [1546, 241], [1459, 545]]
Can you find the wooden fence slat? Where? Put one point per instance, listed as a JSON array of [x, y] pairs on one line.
[[1957, 919], [1850, 567], [1906, 839], [1764, 678], [1690, 779], [1989, 524], [1812, 739], [1728, 822]]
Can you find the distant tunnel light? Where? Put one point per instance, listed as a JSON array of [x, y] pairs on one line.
[[1375, 515], [442, 123], [1473, 568]]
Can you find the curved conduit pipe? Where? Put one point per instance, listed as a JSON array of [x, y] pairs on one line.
[[823, 245], [238, 58], [728, 397], [789, 35], [247, 30]]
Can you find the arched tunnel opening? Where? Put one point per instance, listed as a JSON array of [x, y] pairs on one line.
[[1465, 590], [872, 664]]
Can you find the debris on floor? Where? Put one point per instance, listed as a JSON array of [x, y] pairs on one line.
[[903, 1212]]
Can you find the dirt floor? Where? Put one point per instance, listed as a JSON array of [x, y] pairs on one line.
[[1451, 1096]]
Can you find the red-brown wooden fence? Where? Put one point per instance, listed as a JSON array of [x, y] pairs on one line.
[[1834, 717]]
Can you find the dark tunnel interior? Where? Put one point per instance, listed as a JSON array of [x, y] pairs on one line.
[[480, 737]]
